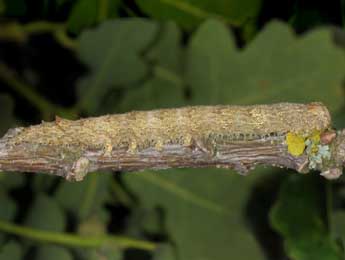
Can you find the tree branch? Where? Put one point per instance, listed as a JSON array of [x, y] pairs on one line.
[[295, 136]]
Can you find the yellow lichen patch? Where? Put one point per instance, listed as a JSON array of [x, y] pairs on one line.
[[295, 144], [315, 137], [314, 141]]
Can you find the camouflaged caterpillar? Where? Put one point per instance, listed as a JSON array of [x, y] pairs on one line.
[[203, 127]]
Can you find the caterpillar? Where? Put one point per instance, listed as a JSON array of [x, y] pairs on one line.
[[140, 130]]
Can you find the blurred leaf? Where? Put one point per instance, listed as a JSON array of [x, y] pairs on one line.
[[53, 252], [86, 13], [43, 182], [45, 214], [189, 13], [6, 110], [11, 180], [60, 3], [85, 198], [11, 251], [338, 220], [339, 36], [15, 7], [165, 87], [276, 66], [297, 216], [164, 252], [8, 207], [2, 7], [112, 52], [83, 14], [95, 224], [7, 210], [203, 211], [106, 253], [146, 220]]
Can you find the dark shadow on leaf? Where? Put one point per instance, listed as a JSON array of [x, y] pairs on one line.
[[262, 197]]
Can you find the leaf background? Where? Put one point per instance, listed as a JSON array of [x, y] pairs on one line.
[[120, 56]]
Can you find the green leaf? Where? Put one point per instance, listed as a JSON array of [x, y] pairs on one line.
[[189, 13], [338, 227], [108, 253], [7, 210], [276, 66], [338, 220], [201, 207], [147, 220], [94, 224], [11, 250], [86, 13], [8, 207], [165, 252], [11, 180], [45, 214], [53, 252], [165, 87], [43, 182], [85, 198], [297, 216], [112, 52]]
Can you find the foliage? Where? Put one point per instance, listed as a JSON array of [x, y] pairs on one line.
[[297, 215], [191, 12], [79, 58]]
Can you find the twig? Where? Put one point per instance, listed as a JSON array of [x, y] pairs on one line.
[[20, 33], [295, 136], [71, 240]]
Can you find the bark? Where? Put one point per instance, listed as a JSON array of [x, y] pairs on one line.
[[237, 137]]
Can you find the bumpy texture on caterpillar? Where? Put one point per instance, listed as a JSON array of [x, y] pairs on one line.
[[214, 125]]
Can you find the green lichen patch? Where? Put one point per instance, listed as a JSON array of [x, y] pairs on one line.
[[316, 153]]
